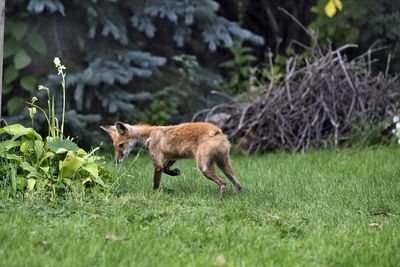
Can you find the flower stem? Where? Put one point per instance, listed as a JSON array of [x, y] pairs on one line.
[[63, 110]]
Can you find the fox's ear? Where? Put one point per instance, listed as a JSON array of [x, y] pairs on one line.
[[107, 128], [121, 128]]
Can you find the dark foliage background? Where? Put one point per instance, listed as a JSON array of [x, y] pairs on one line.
[[160, 61]]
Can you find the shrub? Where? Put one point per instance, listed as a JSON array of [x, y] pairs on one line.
[[380, 18], [54, 164]]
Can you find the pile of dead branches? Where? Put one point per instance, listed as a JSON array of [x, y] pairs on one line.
[[319, 102]]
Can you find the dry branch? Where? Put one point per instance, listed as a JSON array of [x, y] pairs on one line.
[[319, 102]]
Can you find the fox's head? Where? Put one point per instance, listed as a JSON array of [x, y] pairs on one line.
[[122, 140]]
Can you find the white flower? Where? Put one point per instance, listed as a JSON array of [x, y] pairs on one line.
[[398, 125], [32, 112], [57, 61], [60, 69], [398, 141]]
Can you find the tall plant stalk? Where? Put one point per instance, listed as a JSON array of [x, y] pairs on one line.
[[52, 121], [63, 110], [61, 69]]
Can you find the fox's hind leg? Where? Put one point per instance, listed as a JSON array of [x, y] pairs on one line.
[[225, 166], [167, 170], [207, 168]]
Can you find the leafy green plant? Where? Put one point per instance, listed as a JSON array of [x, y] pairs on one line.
[[238, 69], [164, 105], [54, 164], [338, 28], [348, 26], [167, 102]]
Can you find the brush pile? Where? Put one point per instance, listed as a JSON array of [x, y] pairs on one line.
[[320, 101]]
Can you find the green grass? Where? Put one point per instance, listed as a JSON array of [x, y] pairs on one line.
[[312, 209]]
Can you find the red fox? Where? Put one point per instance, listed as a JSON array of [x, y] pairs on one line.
[[200, 140]]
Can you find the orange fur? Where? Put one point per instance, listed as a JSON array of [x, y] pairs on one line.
[[200, 140]]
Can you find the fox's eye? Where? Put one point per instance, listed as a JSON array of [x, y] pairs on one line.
[[121, 145]]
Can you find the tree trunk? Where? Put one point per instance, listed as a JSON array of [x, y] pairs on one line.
[[2, 16]]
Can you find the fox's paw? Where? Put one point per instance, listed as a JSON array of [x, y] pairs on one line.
[[175, 172], [239, 188]]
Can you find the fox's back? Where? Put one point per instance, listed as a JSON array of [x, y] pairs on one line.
[[184, 140]]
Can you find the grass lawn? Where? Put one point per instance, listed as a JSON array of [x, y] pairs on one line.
[[321, 208]]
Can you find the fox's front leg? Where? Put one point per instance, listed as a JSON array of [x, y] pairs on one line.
[[158, 169], [157, 176], [167, 170]]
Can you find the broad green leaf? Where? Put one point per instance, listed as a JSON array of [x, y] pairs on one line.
[[14, 157], [99, 181], [9, 144], [81, 152], [15, 105], [31, 184], [38, 145], [19, 29], [28, 83], [70, 164], [37, 42], [61, 145], [24, 147], [10, 74], [92, 169], [27, 167], [330, 9], [35, 175], [46, 155], [21, 59], [45, 169], [17, 130], [10, 47]]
